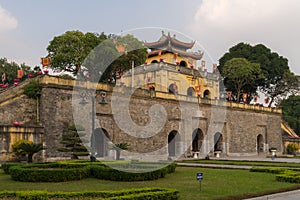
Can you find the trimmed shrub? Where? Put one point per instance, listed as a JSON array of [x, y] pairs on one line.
[[292, 148], [34, 174], [6, 166], [106, 173], [269, 170], [136, 194]]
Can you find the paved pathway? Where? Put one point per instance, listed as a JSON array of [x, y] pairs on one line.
[[292, 195]]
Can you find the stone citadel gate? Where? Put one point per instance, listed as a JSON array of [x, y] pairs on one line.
[[188, 126]]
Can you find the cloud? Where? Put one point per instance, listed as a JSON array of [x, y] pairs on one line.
[[8, 22], [221, 24]]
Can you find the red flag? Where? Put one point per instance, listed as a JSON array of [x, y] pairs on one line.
[[20, 74], [45, 62]]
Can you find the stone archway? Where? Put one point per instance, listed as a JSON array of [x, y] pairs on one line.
[[206, 94], [260, 143], [99, 142], [183, 63], [172, 139], [197, 139], [190, 92], [218, 142]]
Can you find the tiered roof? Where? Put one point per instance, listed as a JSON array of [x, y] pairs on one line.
[[166, 43]]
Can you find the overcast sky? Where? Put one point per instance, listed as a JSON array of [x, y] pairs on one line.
[[26, 27]]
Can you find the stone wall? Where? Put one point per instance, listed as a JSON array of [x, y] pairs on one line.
[[239, 125]]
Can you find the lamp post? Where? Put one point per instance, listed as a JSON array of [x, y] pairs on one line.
[[84, 102]]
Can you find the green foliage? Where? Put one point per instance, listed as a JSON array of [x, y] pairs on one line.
[[283, 175], [269, 170], [77, 52], [106, 173], [143, 193], [68, 51], [25, 147], [36, 174], [33, 89], [106, 59], [292, 148], [16, 147], [67, 171], [291, 112], [291, 177], [274, 68], [239, 74], [31, 149], [11, 68], [73, 141]]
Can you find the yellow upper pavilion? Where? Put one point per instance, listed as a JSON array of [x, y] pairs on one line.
[[171, 68]]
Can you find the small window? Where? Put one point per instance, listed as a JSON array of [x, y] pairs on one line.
[[183, 63]]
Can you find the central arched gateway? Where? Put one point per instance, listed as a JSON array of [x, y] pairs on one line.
[[99, 142], [172, 139], [197, 139]]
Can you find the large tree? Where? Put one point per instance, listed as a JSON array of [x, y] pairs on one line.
[[291, 112], [68, 51], [98, 56], [239, 74], [274, 67]]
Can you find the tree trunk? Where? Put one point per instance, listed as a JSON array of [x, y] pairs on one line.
[[29, 160], [118, 154]]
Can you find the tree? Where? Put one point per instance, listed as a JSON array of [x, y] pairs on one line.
[[24, 147], [240, 73], [11, 68], [291, 112], [73, 141], [96, 55], [272, 65], [68, 51], [113, 57], [30, 149], [286, 86]]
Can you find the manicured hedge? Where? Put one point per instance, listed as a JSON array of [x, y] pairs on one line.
[[106, 173], [291, 177], [136, 194], [34, 174], [283, 175], [65, 171], [268, 170]]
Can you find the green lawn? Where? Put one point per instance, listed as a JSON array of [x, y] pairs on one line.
[[250, 163], [217, 183]]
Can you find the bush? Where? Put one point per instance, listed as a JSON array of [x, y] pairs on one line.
[[32, 89], [102, 172], [35, 174], [269, 170], [292, 148], [16, 147], [136, 194], [67, 171]]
